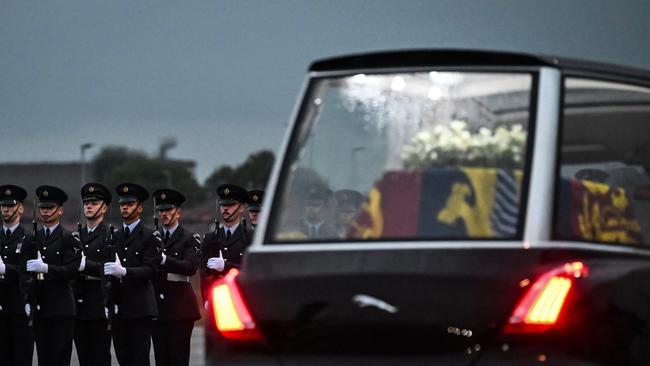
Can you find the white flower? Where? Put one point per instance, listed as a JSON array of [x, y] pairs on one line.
[[456, 144]]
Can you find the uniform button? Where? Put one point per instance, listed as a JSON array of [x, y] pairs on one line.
[[86, 245], [126, 248], [136, 253], [5, 257], [241, 254], [44, 248], [226, 249], [57, 253], [124, 260], [6, 247], [43, 257], [98, 250], [175, 253], [80, 300], [165, 250]]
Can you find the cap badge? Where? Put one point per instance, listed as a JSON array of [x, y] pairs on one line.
[[163, 196], [226, 191], [91, 189], [255, 198], [8, 192], [125, 189], [46, 193]]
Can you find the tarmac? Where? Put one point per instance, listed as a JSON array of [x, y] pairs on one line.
[[197, 352]]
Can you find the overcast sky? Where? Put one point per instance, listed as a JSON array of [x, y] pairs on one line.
[[223, 76]]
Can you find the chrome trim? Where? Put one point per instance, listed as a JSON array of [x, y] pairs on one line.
[[363, 301], [400, 245], [539, 210], [269, 193]]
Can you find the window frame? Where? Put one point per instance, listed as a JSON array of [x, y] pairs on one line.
[[299, 130], [596, 76]]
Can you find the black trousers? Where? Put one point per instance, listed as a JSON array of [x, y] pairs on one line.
[[132, 341], [93, 342], [16, 341], [54, 340], [171, 342]]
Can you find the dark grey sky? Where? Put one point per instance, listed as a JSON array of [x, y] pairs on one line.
[[223, 76]]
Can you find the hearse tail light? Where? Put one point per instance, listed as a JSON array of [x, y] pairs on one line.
[[539, 309], [231, 316]]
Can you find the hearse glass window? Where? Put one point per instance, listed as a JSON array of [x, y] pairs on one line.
[[425, 155], [603, 190]]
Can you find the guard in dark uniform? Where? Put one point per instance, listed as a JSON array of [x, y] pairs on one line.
[[224, 248], [133, 270], [16, 337], [55, 258], [348, 203], [254, 205], [315, 224], [177, 305], [91, 335]]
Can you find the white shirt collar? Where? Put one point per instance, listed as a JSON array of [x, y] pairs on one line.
[[52, 228], [13, 228], [171, 229], [131, 226], [91, 229], [231, 228]]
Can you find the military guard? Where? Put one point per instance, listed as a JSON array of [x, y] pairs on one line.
[[55, 258], [348, 203], [133, 269], [16, 337], [254, 205], [177, 305], [223, 249], [91, 335], [315, 223]]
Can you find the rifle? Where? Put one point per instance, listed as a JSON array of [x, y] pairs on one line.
[[33, 282], [244, 233], [162, 278], [110, 291]]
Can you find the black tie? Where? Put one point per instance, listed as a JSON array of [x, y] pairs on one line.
[[127, 231], [166, 236], [227, 235], [8, 234], [47, 233]]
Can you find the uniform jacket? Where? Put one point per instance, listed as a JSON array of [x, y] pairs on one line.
[[13, 287], [89, 287], [176, 300], [61, 251], [134, 293], [232, 251]]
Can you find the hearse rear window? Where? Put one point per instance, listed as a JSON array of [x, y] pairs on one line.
[[423, 155], [603, 192]]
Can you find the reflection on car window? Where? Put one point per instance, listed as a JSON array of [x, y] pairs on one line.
[[604, 163], [413, 155]]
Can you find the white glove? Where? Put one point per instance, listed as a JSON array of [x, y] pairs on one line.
[[106, 312], [114, 268], [3, 267], [164, 259], [28, 309], [37, 265], [82, 266], [217, 263]]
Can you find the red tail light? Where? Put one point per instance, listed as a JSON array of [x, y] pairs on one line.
[[540, 307], [231, 316]]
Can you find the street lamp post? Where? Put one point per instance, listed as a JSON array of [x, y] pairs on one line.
[[83, 149]]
